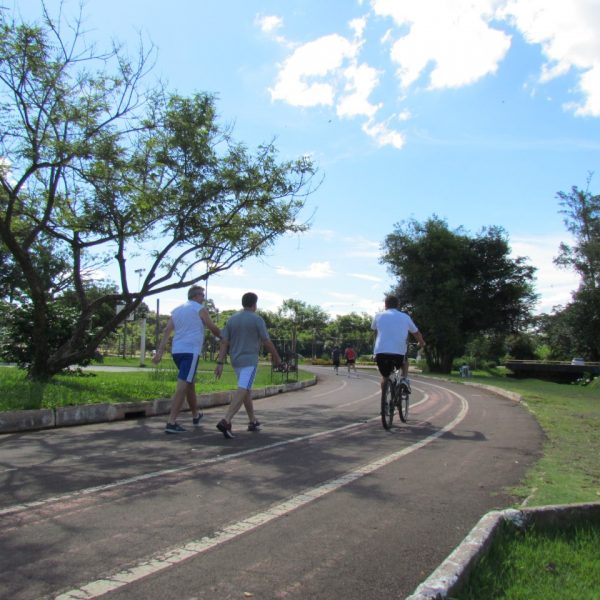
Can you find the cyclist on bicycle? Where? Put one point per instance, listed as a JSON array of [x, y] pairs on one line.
[[392, 327]]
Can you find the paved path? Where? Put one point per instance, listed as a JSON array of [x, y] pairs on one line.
[[322, 504]]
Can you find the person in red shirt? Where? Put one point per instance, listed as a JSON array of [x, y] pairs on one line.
[[350, 356]]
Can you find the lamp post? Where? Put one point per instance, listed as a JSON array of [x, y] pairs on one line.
[[140, 272]]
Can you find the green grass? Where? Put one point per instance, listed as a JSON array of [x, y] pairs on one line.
[[90, 387], [539, 563]]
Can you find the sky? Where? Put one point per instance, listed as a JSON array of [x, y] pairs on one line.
[[477, 111]]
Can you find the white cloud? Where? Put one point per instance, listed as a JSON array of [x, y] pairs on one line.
[[554, 285], [361, 80], [568, 35], [358, 26], [452, 37], [230, 297], [323, 234], [326, 72], [360, 247], [383, 134], [301, 80], [316, 270], [441, 44], [269, 24], [342, 304], [365, 277]]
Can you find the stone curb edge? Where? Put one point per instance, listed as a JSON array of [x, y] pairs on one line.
[[27, 420], [453, 572]]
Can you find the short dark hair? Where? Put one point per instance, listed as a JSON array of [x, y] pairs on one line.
[[194, 291], [391, 301], [249, 299]]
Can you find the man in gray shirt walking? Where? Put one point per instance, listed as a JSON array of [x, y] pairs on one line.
[[242, 337]]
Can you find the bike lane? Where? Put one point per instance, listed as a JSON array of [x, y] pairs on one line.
[[325, 487]]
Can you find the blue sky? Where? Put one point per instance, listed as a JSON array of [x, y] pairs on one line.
[[478, 111]]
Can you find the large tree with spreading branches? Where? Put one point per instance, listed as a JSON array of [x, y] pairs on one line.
[[457, 286], [99, 169]]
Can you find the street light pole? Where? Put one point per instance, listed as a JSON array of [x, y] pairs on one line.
[[140, 272]]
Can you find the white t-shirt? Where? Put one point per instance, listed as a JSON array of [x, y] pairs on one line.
[[392, 328], [189, 328]]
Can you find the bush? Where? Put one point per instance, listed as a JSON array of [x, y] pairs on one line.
[[320, 361], [422, 364]]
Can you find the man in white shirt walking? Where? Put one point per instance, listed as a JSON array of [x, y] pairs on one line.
[[188, 322]]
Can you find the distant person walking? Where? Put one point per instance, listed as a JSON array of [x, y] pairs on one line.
[[242, 337], [350, 356], [188, 322], [392, 327], [335, 358]]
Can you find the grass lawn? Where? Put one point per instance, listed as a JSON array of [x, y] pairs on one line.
[[539, 563], [549, 564], [95, 387]]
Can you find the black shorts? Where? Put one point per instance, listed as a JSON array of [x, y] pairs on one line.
[[387, 362]]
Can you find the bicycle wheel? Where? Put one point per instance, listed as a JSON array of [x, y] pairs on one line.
[[403, 401], [387, 404]]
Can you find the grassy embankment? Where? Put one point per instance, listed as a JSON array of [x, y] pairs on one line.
[[96, 387]]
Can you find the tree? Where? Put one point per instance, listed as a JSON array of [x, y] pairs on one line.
[[302, 318], [457, 286], [100, 170], [353, 328], [582, 219], [574, 330]]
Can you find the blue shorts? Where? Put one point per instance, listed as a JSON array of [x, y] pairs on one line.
[[187, 363], [245, 376]]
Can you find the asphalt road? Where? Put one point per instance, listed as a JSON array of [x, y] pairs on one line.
[[321, 504]]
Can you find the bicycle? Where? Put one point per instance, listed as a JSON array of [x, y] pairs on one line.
[[395, 395]]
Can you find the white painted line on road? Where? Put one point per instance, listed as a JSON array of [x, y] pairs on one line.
[[194, 548], [129, 480], [209, 461], [337, 389], [352, 402]]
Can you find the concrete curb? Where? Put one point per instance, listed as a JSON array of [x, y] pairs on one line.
[[65, 416], [448, 578]]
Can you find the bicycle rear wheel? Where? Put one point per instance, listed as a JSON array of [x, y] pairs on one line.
[[403, 402], [387, 404]]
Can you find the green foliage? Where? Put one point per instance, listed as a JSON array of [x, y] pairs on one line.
[[98, 169], [521, 346], [456, 286], [353, 328], [582, 219], [19, 335], [574, 330]]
